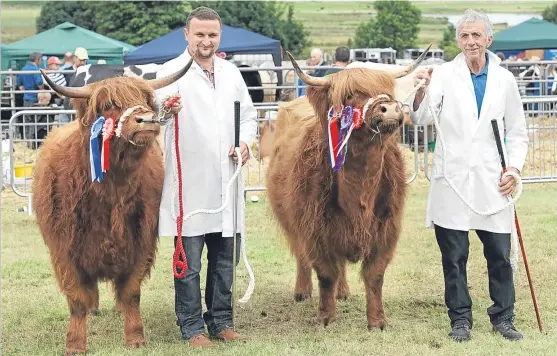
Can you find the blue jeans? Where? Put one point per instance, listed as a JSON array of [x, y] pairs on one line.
[[218, 288]]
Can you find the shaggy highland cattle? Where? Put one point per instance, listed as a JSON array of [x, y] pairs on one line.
[[105, 230], [333, 213]]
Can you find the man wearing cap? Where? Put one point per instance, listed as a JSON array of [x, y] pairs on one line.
[[58, 78]]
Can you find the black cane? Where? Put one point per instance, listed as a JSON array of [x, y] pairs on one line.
[[527, 267], [235, 206]]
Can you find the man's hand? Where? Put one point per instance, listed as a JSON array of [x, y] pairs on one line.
[[176, 106], [421, 92], [243, 150], [508, 183]]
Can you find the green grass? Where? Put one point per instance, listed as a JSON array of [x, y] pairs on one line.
[[35, 315], [17, 20]]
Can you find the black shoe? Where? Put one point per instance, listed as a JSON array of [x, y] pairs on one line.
[[461, 331], [507, 329]]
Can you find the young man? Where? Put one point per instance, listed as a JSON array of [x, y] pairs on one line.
[[468, 93], [206, 139]]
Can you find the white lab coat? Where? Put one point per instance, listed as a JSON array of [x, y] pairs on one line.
[[472, 159], [206, 133]]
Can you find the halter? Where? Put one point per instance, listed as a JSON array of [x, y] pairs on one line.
[[350, 117], [105, 128]]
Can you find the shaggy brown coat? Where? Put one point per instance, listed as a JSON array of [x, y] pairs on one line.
[[102, 231], [330, 218]]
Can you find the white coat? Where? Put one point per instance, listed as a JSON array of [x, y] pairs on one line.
[[472, 159], [206, 133]]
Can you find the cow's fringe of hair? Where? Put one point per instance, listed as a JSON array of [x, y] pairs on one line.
[[121, 92]]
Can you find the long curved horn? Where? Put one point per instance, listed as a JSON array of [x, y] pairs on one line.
[[413, 66], [171, 78], [81, 92], [309, 80]]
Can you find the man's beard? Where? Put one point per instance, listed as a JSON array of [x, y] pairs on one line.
[[203, 56]]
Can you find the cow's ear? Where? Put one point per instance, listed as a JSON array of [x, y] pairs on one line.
[[319, 99], [82, 113]]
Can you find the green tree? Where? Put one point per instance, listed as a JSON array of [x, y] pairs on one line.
[[80, 13], [550, 13], [268, 18], [139, 22], [449, 44], [395, 25]]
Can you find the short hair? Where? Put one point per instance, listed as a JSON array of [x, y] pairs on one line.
[[34, 56], [317, 52], [501, 55], [203, 13], [342, 54], [471, 16]]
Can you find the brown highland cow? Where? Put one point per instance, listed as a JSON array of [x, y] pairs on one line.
[[105, 230], [353, 214]]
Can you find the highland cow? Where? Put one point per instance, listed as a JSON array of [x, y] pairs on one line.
[[350, 213], [105, 230]]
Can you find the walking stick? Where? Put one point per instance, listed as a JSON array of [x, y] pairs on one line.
[[527, 267], [235, 208]]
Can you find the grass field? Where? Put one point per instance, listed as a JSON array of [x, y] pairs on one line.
[[330, 23], [35, 314]]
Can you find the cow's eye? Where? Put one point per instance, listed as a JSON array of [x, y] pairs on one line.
[[107, 105], [349, 97]]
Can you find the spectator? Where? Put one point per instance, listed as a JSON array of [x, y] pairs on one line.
[[342, 58], [68, 61], [317, 59], [58, 78], [30, 81]]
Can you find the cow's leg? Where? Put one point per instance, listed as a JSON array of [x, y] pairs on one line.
[[373, 270], [81, 298], [128, 296], [328, 275], [304, 286], [95, 299], [343, 291]]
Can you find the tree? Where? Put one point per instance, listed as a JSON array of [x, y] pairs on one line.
[[395, 25], [449, 44], [550, 13], [268, 18], [79, 13], [139, 22]]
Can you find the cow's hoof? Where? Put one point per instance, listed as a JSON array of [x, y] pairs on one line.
[[96, 312], [377, 325], [136, 343], [325, 319], [343, 295], [73, 351], [300, 297]]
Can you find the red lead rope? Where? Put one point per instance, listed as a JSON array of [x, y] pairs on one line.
[[179, 261]]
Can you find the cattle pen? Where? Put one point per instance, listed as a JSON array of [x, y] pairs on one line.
[[34, 313]]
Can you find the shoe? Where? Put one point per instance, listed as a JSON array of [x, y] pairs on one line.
[[507, 329], [200, 341], [229, 334], [461, 331]]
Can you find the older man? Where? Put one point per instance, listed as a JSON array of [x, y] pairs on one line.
[[467, 93]]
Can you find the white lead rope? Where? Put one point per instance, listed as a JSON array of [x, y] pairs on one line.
[[251, 285], [510, 200]]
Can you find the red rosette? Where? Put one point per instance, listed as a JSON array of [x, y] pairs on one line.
[[357, 118], [107, 132]]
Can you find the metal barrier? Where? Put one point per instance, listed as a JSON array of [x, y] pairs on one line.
[[27, 129]]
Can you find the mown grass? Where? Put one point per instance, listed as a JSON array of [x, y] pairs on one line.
[[35, 314]]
